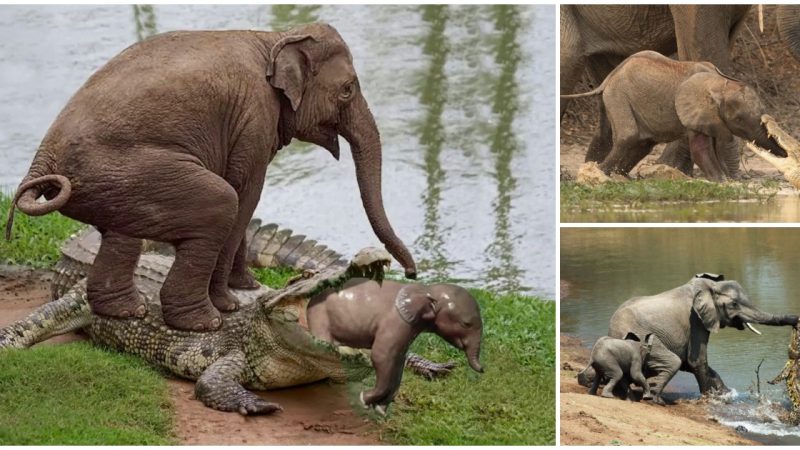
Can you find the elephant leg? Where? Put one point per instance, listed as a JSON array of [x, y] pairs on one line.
[[677, 155], [702, 151], [595, 384], [110, 287], [601, 143], [728, 153], [665, 364], [218, 289], [615, 374], [708, 380], [240, 277], [625, 156], [571, 58], [640, 381]]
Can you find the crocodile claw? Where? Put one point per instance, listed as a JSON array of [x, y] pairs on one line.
[[258, 407]]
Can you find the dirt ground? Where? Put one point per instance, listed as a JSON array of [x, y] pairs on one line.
[[759, 59], [594, 420], [317, 414]]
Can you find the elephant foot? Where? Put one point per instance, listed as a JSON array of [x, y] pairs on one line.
[[378, 408], [199, 316], [243, 280], [124, 303], [224, 301], [659, 401], [607, 394], [647, 396]]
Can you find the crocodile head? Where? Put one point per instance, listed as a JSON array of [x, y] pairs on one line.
[[281, 349], [789, 165]]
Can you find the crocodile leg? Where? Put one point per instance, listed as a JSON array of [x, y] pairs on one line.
[[428, 368], [69, 313], [219, 387]]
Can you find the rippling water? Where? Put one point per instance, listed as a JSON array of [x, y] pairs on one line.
[[463, 96], [601, 268]]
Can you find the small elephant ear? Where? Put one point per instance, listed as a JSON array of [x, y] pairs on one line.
[[698, 102], [288, 66], [631, 336], [704, 306], [415, 304]]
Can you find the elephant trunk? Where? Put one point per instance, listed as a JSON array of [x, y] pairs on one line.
[[788, 17], [473, 352], [359, 129], [763, 318]]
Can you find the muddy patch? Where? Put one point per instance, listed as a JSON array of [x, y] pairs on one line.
[[317, 414]]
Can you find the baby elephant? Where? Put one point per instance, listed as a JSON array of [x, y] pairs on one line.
[[651, 99], [619, 359], [387, 317]]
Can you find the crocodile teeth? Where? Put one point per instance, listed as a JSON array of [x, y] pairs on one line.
[[752, 328]]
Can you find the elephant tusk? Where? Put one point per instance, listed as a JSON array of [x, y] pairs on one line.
[[752, 328]]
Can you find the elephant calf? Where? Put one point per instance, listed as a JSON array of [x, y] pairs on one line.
[[651, 99], [387, 317], [620, 359]]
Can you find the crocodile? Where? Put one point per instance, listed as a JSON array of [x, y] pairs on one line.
[[264, 345], [789, 374]]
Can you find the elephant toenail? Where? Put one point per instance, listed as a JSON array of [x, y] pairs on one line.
[[215, 323], [125, 314], [199, 327], [141, 311]]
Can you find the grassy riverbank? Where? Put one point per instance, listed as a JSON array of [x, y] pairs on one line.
[[639, 192]]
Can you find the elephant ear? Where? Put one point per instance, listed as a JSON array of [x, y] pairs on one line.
[[698, 102], [289, 65], [704, 306], [415, 304], [631, 336]]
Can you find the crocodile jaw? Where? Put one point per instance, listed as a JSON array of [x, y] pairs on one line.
[[788, 166]]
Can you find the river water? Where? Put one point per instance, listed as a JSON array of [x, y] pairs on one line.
[[464, 97], [603, 267]]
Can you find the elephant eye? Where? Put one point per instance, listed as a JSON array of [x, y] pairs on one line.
[[347, 91]]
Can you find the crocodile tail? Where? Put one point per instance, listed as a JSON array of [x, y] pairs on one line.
[[271, 246], [69, 313], [30, 190]]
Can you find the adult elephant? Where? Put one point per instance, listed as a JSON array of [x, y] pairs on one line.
[[170, 141], [682, 320], [596, 38]]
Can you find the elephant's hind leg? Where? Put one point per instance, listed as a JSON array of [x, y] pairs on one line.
[[615, 374], [666, 364], [240, 277], [110, 287]]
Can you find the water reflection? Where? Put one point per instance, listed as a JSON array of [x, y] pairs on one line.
[[504, 145], [144, 17], [287, 16], [433, 92]]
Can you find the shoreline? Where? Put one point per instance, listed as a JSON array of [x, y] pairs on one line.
[[594, 420]]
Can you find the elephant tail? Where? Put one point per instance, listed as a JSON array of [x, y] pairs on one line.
[[30, 190], [595, 91]]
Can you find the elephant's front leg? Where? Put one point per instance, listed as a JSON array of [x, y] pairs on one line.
[[701, 147], [219, 289], [388, 359], [708, 380]]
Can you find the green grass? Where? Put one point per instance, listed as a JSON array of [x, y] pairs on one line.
[[35, 241], [77, 394], [511, 403], [575, 195], [275, 277]]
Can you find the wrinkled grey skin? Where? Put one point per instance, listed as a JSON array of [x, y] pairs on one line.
[[387, 317], [682, 320], [652, 99], [597, 38], [618, 360]]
